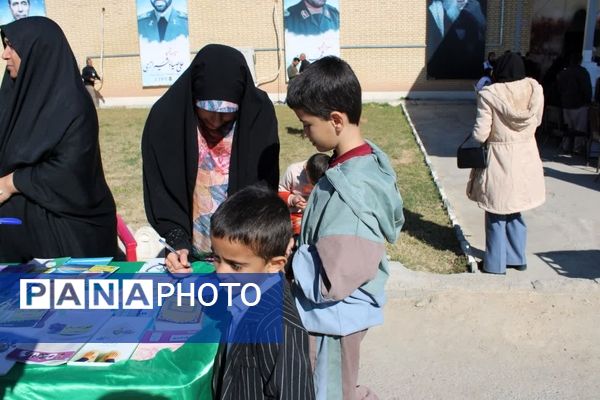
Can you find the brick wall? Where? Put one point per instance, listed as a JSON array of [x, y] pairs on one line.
[[399, 24]]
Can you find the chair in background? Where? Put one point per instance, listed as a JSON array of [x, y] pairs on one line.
[[126, 237], [552, 124], [593, 146]]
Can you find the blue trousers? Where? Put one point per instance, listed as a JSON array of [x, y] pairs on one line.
[[505, 240]]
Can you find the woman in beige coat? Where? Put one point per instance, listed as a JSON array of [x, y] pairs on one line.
[[508, 113]]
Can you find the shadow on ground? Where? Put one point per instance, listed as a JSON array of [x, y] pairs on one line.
[[435, 235], [588, 181], [573, 263], [8, 382]]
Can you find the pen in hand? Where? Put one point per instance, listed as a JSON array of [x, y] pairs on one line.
[[170, 248]]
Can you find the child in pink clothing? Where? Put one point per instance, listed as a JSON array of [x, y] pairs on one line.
[[297, 183]]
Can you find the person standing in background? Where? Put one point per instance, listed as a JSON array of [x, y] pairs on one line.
[[304, 63], [292, 70], [508, 113], [90, 76], [575, 89]]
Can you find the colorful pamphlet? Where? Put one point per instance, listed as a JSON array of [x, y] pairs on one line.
[[103, 349], [12, 316], [99, 271], [44, 353], [68, 269], [178, 318], [89, 261], [102, 269], [154, 341], [155, 266], [52, 262], [73, 325], [8, 340], [102, 354]]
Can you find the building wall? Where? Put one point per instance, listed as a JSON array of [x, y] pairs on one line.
[[383, 40]]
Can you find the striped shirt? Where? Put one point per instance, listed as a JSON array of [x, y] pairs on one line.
[[267, 370]]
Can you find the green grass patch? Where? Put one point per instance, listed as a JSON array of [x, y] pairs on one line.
[[427, 242]]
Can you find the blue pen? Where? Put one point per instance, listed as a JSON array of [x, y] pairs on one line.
[[10, 221], [170, 248]]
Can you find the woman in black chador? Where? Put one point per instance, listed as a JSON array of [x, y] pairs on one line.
[[51, 175], [211, 134]]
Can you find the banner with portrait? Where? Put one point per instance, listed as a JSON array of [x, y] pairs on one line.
[[312, 28], [12, 10], [164, 40], [456, 38]]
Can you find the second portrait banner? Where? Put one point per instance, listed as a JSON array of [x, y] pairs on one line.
[[164, 40]]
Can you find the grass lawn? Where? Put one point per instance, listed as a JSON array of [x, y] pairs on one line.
[[427, 242]]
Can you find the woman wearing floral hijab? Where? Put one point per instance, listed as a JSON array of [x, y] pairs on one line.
[[211, 134], [51, 175]]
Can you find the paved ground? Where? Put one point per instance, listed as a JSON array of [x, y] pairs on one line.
[[528, 335], [563, 234]]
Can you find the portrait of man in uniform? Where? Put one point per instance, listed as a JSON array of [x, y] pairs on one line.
[[311, 30], [311, 17], [163, 22]]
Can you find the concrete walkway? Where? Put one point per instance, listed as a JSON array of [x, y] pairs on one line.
[[526, 335], [563, 234]]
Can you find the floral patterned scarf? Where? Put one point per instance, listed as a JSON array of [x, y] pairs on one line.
[[213, 177]]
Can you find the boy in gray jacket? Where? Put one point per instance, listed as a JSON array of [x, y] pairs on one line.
[[340, 267]]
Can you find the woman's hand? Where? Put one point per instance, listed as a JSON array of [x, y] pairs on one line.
[[7, 187], [177, 263]]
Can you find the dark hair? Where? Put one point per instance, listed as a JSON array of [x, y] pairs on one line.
[[296, 59], [28, 2], [255, 217], [316, 166], [328, 85]]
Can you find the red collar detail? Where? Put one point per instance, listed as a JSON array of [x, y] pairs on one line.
[[362, 150]]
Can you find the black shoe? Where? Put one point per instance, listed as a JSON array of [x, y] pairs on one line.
[[518, 267]]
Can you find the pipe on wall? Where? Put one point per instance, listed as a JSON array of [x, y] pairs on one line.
[[275, 49], [501, 33], [518, 23]]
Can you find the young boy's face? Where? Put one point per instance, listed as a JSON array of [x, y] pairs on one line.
[[233, 257], [320, 132]]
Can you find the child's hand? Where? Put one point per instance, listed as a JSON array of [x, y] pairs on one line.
[[177, 263], [297, 201]]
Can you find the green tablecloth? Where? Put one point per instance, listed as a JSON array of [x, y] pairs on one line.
[[183, 374]]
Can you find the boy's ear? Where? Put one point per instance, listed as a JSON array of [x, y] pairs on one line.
[[338, 121], [277, 264]]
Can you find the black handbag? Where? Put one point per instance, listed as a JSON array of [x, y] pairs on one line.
[[472, 157]]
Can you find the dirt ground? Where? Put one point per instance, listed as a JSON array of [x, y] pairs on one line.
[[463, 344]]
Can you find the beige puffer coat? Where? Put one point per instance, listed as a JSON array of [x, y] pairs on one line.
[[507, 117]]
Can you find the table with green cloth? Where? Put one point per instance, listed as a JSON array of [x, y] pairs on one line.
[[183, 374]]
